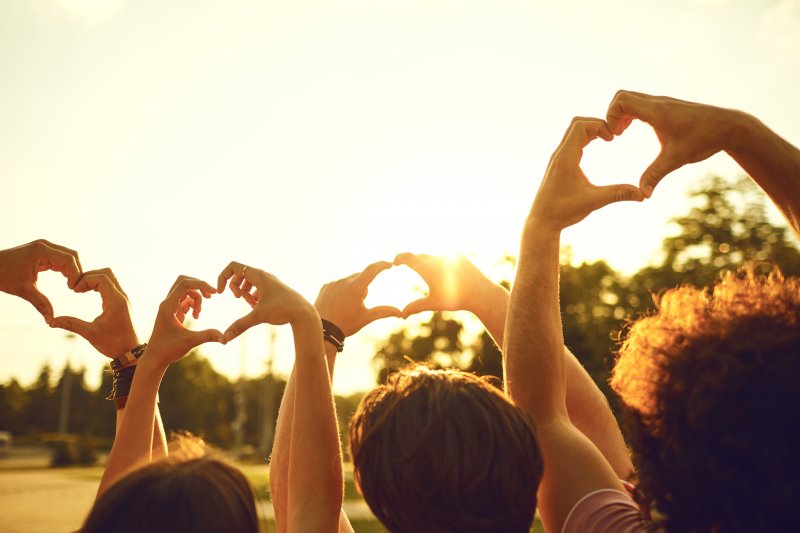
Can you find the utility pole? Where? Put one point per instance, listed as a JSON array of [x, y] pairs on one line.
[[66, 390], [268, 398], [239, 401]]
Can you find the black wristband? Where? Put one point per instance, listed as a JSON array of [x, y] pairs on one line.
[[333, 334], [121, 384], [129, 358]]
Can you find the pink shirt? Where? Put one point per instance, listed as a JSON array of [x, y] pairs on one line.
[[608, 511]]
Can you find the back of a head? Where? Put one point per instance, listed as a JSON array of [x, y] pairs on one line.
[[442, 450], [710, 388], [178, 494]]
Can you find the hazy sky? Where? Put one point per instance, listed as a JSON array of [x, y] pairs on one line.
[[310, 138]]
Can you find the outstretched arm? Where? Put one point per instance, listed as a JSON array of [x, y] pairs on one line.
[[134, 443], [112, 333], [308, 493], [342, 303], [536, 376], [456, 284], [691, 132]]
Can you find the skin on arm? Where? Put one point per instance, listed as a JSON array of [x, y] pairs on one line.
[[140, 426], [457, 285], [306, 477], [20, 267], [111, 333], [691, 132], [535, 364], [342, 303]]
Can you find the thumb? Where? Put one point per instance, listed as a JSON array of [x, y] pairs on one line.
[[69, 323], [610, 194], [207, 335], [383, 311], [241, 325], [418, 306], [654, 173], [39, 301]]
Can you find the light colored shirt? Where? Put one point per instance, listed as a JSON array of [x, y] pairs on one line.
[[608, 511]]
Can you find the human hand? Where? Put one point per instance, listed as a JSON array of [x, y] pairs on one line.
[[565, 195], [342, 302], [170, 340], [453, 284], [272, 301], [20, 267], [112, 332], [688, 132]]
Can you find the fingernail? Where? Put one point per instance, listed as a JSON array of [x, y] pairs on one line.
[[648, 190], [228, 336]]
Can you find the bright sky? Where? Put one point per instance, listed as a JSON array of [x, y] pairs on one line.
[[310, 138]]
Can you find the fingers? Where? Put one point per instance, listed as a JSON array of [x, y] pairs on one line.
[[182, 287], [627, 105], [207, 335], [193, 301], [369, 274], [39, 301], [655, 172], [75, 325], [418, 306], [59, 259], [104, 282], [383, 311], [241, 325], [610, 194], [584, 130], [233, 269]]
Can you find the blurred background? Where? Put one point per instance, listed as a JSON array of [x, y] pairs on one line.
[[311, 138]]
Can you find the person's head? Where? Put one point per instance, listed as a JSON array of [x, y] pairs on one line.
[[711, 388], [442, 450], [189, 491]]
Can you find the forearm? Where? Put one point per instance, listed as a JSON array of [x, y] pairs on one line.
[[587, 406], [134, 440], [159, 437], [492, 310], [316, 484], [534, 361], [279, 461], [159, 448], [589, 412], [770, 160]]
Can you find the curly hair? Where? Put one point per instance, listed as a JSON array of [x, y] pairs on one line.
[[192, 490], [710, 386], [445, 451]]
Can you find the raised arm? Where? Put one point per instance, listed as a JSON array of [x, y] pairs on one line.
[[314, 483], [133, 444], [535, 366], [112, 334], [691, 132], [455, 284], [342, 303]]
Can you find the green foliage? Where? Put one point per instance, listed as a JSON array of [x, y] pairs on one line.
[[726, 225]]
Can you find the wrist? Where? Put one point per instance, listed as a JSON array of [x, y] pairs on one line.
[[154, 359], [738, 128], [536, 228], [487, 296]]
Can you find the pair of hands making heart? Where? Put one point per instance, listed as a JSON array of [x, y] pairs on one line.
[[688, 133]]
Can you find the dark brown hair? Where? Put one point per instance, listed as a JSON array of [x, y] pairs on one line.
[[191, 491], [711, 388], [442, 450]]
